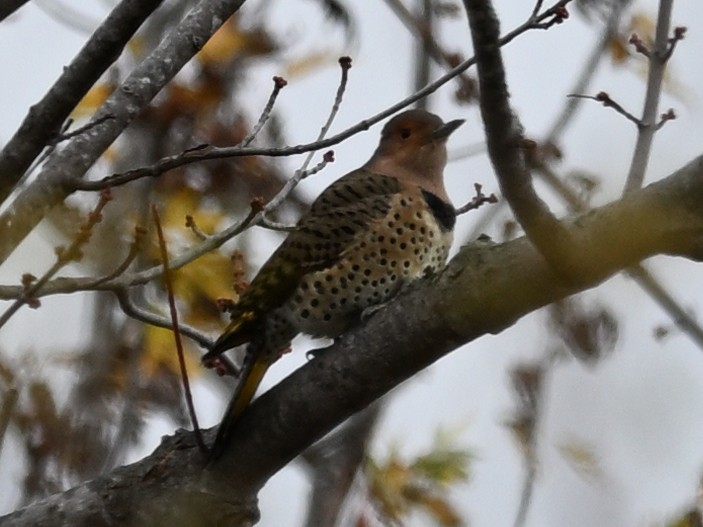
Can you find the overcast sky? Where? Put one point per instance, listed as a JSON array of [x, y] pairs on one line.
[[640, 412]]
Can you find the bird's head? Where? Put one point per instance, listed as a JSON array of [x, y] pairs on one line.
[[413, 149]]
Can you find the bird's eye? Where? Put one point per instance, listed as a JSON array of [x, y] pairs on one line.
[[405, 133]]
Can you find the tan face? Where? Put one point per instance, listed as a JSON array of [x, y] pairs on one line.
[[409, 135], [416, 139]]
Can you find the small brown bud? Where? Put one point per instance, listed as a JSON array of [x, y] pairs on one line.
[[27, 279], [256, 203]]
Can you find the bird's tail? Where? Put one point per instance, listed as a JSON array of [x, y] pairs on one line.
[[252, 371]]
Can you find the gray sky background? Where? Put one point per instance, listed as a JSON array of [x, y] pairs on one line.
[[639, 412]]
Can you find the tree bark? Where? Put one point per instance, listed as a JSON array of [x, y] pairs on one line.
[[486, 288]]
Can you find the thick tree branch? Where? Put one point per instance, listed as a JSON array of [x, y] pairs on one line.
[[44, 120], [8, 7], [333, 464], [484, 289], [506, 145], [140, 87]]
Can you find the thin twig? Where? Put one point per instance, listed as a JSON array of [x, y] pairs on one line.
[[423, 63], [299, 175], [345, 64], [589, 69], [177, 333], [52, 185], [682, 318], [275, 226], [479, 199], [197, 232], [278, 84], [657, 64], [65, 135], [46, 116], [213, 242], [604, 98], [667, 116], [207, 152], [63, 257], [136, 312], [132, 254], [422, 30]]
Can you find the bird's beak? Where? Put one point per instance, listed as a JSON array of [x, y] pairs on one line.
[[446, 129]]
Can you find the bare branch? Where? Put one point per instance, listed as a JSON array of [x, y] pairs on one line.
[[422, 31], [136, 312], [506, 144], [65, 135], [639, 273], [473, 296], [132, 254], [658, 58], [8, 7], [67, 285], [44, 118], [278, 84], [207, 152], [334, 462], [682, 318], [479, 199], [528, 381], [7, 410], [605, 99], [679, 35], [52, 184], [588, 71], [177, 334], [63, 257]]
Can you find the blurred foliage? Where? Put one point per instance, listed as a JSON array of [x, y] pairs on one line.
[[692, 518], [398, 488], [583, 459], [126, 370]]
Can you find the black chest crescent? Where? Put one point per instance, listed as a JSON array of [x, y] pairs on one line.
[[443, 212]]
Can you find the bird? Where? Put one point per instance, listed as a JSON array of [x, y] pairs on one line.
[[365, 237]]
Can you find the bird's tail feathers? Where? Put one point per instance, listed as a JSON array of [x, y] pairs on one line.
[[253, 369], [240, 330]]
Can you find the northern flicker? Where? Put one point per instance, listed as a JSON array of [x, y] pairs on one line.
[[370, 232]]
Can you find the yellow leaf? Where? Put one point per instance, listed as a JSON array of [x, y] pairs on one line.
[[92, 100], [136, 45], [200, 284], [441, 511], [582, 457], [644, 26], [160, 353], [231, 41], [619, 49], [307, 64]]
